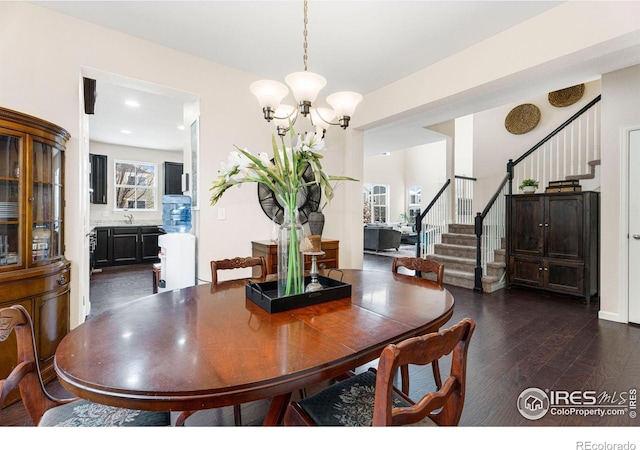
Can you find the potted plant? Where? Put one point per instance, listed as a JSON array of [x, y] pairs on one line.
[[404, 217], [528, 186]]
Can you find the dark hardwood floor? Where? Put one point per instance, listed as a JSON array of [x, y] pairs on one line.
[[523, 339]]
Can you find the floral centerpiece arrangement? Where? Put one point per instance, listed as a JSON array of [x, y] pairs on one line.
[[282, 174]]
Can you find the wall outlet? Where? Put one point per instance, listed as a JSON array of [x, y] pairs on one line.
[[222, 214]]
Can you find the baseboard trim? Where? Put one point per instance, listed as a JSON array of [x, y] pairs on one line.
[[613, 317]]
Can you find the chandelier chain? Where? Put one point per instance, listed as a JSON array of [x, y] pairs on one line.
[[304, 35]]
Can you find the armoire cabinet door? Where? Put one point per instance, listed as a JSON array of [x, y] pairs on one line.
[[564, 226], [528, 226]]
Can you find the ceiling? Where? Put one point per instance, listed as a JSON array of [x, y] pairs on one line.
[[356, 45]]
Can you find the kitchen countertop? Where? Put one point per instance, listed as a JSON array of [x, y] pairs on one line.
[[121, 223]]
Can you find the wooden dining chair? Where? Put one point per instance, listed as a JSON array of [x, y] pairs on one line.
[[420, 267], [46, 410], [238, 263], [229, 264], [370, 398]]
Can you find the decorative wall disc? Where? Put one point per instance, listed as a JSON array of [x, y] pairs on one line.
[[522, 119], [567, 96], [308, 199]]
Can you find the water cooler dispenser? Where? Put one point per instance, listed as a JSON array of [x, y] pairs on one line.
[[177, 246]]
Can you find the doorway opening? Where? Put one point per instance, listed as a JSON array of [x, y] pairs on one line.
[[144, 126]]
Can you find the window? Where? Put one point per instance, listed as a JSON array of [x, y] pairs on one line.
[[135, 185], [415, 199], [375, 201]]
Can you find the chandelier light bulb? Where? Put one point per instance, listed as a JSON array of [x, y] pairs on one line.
[[344, 104], [305, 87], [284, 117], [322, 116], [269, 94]]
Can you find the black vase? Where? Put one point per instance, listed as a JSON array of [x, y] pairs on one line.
[[316, 223]]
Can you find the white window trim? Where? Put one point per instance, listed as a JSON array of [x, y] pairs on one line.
[[156, 198]]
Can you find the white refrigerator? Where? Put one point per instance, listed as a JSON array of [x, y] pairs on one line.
[[177, 261]]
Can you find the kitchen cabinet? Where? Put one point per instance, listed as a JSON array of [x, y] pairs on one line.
[[33, 270], [269, 250], [121, 245], [149, 244], [98, 179], [125, 245], [173, 178], [102, 253], [553, 242]]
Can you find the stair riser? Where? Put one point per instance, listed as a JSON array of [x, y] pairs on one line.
[[459, 239], [500, 256], [462, 229], [492, 287], [458, 281], [460, 252], [462, 266]]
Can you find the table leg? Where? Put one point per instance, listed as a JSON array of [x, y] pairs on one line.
[[275, 414]]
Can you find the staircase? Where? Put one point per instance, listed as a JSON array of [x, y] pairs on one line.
[[570, 152], [458, 254]]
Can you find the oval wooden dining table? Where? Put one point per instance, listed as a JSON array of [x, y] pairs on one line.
[[210, 346]]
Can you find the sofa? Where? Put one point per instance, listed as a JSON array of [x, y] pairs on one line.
[[381, 238]]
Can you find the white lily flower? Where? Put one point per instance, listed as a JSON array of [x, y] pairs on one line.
[[239, 159], [265, 159]]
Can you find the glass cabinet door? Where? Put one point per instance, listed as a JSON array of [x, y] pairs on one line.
[[10, 195], [46, 203]]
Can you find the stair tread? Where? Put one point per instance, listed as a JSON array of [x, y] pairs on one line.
[[452, 258], [496, 264], [459, 273], [489, 279], [455, 246]]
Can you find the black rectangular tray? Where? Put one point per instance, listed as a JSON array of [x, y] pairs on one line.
[[265, 294]]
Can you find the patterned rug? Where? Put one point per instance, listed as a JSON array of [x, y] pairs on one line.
[[403, 251]]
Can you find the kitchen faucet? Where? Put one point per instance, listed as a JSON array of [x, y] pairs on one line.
[[129, 217]]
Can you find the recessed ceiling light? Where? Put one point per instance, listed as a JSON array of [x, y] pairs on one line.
[[180, 127], [132, 103], [125, 131]]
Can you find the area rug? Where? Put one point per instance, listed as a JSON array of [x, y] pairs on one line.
[[403, 251]]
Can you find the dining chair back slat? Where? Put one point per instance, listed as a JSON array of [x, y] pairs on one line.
[[238, 263]]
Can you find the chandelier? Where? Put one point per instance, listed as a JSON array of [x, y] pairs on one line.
[[305, 87]]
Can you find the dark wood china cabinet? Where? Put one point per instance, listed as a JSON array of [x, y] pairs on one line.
[[33, 270], [554, 242]]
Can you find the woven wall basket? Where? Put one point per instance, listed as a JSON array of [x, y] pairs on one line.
[[522, 119], [567, 96]]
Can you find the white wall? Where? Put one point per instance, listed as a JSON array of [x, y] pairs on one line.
[[463, 138], [45, 54], [388, 170], [620, 100], [493, 145], [105, 214], [423, 166]]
